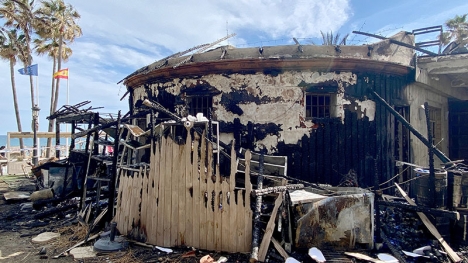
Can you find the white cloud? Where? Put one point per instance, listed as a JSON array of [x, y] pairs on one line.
[[120, 37]]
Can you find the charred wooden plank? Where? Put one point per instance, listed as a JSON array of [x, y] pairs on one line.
[[431, 228], [275, 189], [444, 213]]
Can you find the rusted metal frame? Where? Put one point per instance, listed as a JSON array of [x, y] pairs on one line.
[[393, 41], [437, 152], [437, 212], [258, 211]]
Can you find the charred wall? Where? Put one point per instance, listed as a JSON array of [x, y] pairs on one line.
[[267, 110]]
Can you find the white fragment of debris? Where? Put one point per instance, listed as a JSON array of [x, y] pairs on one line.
[[411, 254], [291, 260], [222, 259], [206, 259], [316, 255], [387, 258], [191, 118], [163, 249], [83, 252], [200, 117], [45, 237], [420, 251]]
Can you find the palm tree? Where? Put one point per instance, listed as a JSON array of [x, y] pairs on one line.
[[18, 15], [456, 31], [10, 42], [332, 40], [56, 24]]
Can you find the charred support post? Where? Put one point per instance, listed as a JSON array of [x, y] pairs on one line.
[[113, 180], [258, 211], [57, 139], [403, 121], [378, 192], [431, 156]]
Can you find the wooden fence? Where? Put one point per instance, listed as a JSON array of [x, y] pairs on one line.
[[182, 200]]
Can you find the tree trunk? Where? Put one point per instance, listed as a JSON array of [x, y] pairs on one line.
[[15, 102], [59, 67], [51, 110]]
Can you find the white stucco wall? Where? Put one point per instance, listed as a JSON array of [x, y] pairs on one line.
[[280, 100]]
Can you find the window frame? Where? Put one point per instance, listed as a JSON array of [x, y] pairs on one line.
[[322, 108]]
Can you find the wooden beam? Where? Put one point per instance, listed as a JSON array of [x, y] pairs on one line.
[[431, 228], [279, 248], [448, 214], [262, 251], [14, 135]]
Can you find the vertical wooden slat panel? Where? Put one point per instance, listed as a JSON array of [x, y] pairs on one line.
[[175, 181], [133, 200], [305, 157], [226, 212], [240, 226], [320, 157], [205, 196], [118, 211], [227, 226], [354, 141], [233, 205], [211, 199], [154, 173], [335, 152], [197, 194], [217, 226], [144, 201], [247, 216], [327, 153], [232, 176], [341, 153], [167, 193], [188, 189], [182, 191], [312, 157], [161, 151]]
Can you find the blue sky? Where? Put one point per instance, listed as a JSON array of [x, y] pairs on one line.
[[120, 37]]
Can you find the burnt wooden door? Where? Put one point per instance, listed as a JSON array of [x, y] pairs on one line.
[[458, 130]]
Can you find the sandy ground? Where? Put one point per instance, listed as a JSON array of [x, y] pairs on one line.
[[18, 227]]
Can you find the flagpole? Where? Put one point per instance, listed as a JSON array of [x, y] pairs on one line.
[[68, 103]]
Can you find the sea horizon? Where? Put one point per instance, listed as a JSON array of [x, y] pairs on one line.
[[28, 142]]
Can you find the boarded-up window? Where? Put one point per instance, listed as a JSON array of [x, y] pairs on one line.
[[201, 104], [318, 105]]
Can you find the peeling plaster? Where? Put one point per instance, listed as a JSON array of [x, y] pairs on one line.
[[263, 99], [362, 108]]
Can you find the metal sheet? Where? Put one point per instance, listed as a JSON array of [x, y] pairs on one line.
[[343, 220]]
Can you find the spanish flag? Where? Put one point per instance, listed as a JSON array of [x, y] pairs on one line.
[[61, 74]]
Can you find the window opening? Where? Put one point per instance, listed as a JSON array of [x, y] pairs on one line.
[[318, 105], [201, 104]]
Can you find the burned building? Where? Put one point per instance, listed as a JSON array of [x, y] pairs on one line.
[[309, 103], [336, 115]]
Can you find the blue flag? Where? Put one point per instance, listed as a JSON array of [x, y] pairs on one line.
[[31, 70]]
